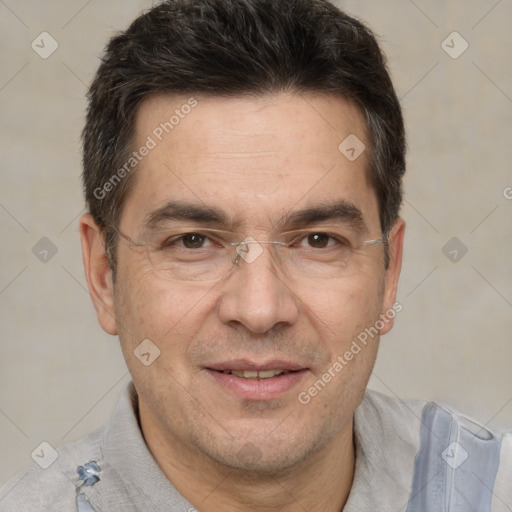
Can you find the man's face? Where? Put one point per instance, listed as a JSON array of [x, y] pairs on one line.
[[256, 163]]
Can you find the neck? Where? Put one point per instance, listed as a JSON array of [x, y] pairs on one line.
[[319, 484]]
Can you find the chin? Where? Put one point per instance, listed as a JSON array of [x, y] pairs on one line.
[[260, 466], [264, 456]]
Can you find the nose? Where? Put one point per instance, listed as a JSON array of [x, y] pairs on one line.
[[257, 296]]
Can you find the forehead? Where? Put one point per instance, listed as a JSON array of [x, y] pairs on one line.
[[256, 158]]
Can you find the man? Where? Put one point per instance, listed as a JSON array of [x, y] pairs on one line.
[[242, 168]]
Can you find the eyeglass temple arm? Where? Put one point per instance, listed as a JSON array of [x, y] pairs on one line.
[[238, 244], [384, 240], [128, 239]]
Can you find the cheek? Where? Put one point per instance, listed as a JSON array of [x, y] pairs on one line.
[[161, 311], [169, 316], [345, 306], [343, 316]]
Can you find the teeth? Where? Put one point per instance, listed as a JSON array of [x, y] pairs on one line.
[[251, 374]]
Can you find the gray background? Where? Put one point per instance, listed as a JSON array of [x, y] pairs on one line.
[[60, 375]]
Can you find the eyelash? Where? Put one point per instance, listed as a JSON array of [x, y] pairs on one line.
[[337, 239], [180, 238]]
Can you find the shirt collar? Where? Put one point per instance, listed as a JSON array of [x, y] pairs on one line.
[[126, 452]]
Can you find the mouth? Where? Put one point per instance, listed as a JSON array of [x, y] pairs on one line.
[[253, 374], [257, 381]]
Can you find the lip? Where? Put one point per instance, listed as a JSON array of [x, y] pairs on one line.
[[247, 364], [257, 389]]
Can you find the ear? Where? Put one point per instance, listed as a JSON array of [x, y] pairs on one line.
[[395, 247], [98, 273]]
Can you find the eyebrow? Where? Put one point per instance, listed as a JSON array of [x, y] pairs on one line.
[[182, 211], [339, 211]]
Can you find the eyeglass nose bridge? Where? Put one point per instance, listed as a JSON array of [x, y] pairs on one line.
[[244, 251]]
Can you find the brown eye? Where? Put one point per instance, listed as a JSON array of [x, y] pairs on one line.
[[318, 240], [193, 240]]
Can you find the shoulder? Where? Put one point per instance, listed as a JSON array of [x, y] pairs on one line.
[[397, 416], [387, 431], [392, 417], [36, 489], [445, 442], [502, 494]]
